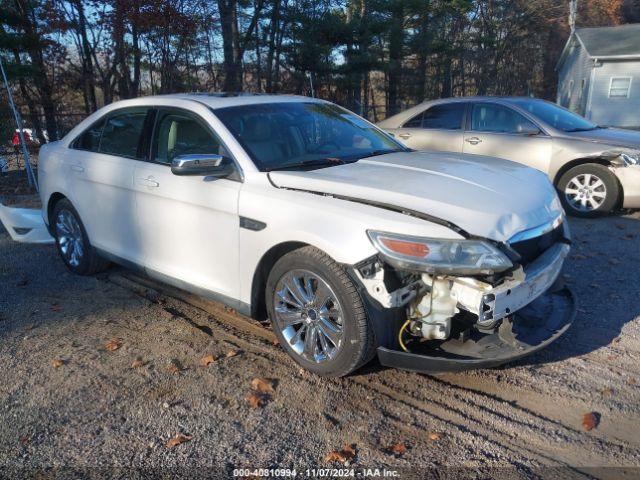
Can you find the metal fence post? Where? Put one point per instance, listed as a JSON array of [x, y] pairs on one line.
[[30, 176]]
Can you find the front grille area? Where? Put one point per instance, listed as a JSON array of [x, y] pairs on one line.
[[532, 248]]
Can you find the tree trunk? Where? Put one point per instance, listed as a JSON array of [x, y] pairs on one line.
[[396, 43], [230, 45]]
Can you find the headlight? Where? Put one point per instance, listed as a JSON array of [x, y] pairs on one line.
[[630, 158], [435, 255]]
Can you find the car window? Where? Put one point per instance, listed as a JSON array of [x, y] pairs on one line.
[[488, 117], [444, 117], [179, 134], [415, 122], [121, 133], [90, 139]]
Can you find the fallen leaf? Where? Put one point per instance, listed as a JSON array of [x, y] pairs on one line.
[[607, 392], [207, 360], [178, 440], [57, 362], [590, 420], [113, 345], [631, 381], [175, 367], [55, 307], [434, 436], [255, 400], [347, 453], [231, 353], [262, 385], [25, 440], [397, 449], [138, 362]]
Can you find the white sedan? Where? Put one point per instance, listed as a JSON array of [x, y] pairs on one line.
[[297, 210]]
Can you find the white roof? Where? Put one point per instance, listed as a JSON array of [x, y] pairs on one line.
[[221, 100]]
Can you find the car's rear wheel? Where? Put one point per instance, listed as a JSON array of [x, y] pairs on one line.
[[317, 313], [589, 190], [72, 241]]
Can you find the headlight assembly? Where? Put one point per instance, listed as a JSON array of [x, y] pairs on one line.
[[629, 158], [436, 255]]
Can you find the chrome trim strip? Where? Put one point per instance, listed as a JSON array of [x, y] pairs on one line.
[[536, 231]]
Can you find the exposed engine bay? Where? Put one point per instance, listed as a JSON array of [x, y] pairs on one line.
[[439, 305]]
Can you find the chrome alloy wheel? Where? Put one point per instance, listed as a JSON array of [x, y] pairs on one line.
[[585, 192], [69, 236], [309, 315]]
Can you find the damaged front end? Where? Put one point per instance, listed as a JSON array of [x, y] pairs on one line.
[[469, 303]]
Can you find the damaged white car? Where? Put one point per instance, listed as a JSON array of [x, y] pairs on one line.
[[297, 210]]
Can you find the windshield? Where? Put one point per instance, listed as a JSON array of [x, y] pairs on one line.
[[556, 116], [303, 134]]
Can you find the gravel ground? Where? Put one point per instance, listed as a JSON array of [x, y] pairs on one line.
[[72, 406]]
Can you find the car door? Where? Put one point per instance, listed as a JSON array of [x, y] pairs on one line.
[[438, 128], [188, 225], [100, 166], [500, 131]]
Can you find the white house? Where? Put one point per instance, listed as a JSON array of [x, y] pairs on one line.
[[599, 75]]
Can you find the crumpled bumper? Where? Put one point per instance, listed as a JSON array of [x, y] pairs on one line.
[[533, 328]]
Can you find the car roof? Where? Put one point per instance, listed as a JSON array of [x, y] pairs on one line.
[[230, 99], [401, 117]]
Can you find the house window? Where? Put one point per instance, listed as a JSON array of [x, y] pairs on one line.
[[619, 87]]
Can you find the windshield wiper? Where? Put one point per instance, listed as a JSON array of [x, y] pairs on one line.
[[571, 130], [375, 153], [322, 162]]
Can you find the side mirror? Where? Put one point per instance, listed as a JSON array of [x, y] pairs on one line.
[[528, 129], [213, 165]]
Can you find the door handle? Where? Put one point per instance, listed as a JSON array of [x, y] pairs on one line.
[[473, 140], [77, 168], [148, 182], [404, 135]]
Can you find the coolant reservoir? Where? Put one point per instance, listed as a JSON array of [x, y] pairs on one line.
[[436, 309]]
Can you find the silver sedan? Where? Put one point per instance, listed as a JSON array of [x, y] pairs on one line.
[[595, 169]]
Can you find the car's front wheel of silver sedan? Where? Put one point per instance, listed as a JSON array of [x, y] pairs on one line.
[[588, 190], [317, 313]]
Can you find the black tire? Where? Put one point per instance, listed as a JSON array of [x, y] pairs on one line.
[[89, 262], [612, 192], [358, 341]]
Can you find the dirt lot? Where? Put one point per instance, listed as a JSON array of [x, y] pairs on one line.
[[104, 410]]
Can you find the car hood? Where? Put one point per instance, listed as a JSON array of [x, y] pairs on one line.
[[610, 136], [484, 196]]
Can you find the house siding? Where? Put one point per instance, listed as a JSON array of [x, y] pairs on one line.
[[574, 78], [616, 112]]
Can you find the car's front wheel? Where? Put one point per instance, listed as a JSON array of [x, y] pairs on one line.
[[72, 241], [588, 190], [317, 313]]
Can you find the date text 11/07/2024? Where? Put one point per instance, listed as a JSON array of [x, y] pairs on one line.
[[317, 472]]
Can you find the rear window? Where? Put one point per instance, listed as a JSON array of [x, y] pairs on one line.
[[90, 139], [444, 117], [121, 134]]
